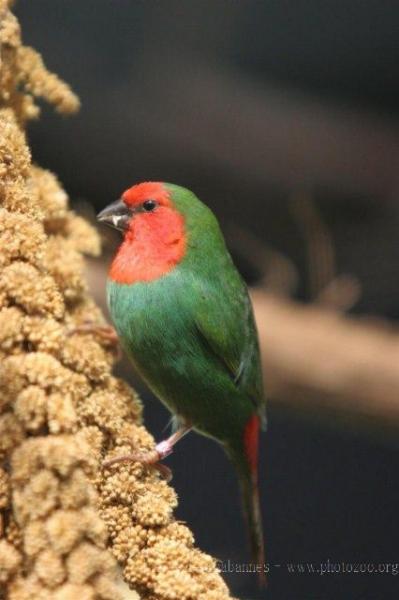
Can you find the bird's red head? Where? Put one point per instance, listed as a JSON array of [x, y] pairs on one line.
[[154, 233]]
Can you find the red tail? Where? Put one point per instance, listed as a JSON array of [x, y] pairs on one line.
[[248, 475]]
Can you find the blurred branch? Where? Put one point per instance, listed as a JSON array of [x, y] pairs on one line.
[[317, 359], [278, 273], [319, 244], [339, 292], [342, 293], [269, 134]]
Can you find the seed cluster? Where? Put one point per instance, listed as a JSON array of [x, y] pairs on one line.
[[68, 527]]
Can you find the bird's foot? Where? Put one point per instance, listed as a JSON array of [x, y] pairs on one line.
[[149, 459], [152, 458], [106, 333]]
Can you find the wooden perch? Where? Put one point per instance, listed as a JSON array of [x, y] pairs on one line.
[[318, 359]]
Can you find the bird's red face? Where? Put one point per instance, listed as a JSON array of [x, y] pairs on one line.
[[139, 200], [154, 233]]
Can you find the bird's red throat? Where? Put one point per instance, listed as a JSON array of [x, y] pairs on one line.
[[154, 244]]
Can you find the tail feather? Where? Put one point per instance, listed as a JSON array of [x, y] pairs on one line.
[[247, 466], [252, 512]]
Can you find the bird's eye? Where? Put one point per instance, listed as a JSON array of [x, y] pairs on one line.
[[149, 205]]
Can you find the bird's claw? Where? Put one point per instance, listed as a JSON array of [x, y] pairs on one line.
[[150, 460], [164, 471], [105, 332]]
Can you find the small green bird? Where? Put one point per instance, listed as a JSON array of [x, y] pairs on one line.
[[185, 320]]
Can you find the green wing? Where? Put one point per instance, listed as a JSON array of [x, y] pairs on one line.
[[224, 319]]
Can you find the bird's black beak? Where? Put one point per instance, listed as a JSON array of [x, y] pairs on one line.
[[116, 215]]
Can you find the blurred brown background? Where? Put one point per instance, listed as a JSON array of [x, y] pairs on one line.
[[283, 117]]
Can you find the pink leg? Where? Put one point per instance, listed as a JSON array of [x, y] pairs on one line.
[[165, 448], [153, 457]]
